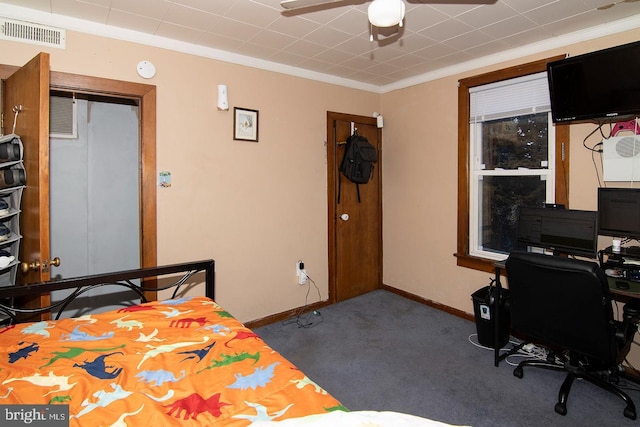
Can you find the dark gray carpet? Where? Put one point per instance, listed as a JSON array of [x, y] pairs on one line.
[[383, 352]]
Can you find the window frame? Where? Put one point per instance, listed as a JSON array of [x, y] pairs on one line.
[[463, 255]]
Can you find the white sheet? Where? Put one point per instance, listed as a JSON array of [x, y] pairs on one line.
[[355, 419]]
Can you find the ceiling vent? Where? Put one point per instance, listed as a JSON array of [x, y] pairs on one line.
[[28, 32]]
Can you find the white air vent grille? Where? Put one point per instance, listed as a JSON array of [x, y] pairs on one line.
[[28, 32]]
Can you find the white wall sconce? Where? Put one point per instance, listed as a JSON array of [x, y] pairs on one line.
[[223, 98]]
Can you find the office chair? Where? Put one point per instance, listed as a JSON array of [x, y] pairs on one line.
[[564, 304]]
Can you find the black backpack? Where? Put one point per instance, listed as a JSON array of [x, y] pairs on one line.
[[358, 161]]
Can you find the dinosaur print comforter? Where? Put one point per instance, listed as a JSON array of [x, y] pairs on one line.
[[183, 362]]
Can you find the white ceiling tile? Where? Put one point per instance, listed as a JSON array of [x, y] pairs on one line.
[[574, 23], [43, 5], [217, 7], [296, 27], [222, 42], [287, 58], [257, 51], [469, 40], [352, 22], [173, 31], [525, 37], [446, 30], [359, 62], [315, 64], [305, 48], [134, 22], [260, 16], [356, 45], [102, 3], [192, 18], [452, 10], [509, 26], [272, 39], [81, 10], [555, 11], [333, 55], [435, 51], [483, 16], [523, 6], [422, 17], [153, 9], [235, 30], [327, 36], [407, 61]]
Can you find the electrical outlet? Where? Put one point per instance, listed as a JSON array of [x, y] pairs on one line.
[[301, 273]]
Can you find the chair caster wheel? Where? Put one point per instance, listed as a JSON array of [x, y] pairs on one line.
[[517, 372], [561, 408], [630, 413]]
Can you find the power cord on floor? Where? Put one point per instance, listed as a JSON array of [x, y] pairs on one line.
[[310, 318], [528, 350]]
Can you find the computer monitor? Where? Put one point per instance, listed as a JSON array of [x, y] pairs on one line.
[[564, 231], [619, 212]]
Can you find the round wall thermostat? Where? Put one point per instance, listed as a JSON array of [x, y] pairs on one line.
[[146, 69]]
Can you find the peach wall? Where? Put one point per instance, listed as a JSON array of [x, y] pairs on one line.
[[255, 208], [420, 178], [257, 221]]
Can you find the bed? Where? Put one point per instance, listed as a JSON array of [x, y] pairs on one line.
[[182, 361]]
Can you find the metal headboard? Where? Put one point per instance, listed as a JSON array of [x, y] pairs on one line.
[[121, 278]]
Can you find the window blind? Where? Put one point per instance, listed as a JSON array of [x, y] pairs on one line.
[[508, 98]]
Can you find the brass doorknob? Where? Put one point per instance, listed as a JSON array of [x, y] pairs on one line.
[[35, 265]]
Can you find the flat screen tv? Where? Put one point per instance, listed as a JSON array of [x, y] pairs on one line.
[[619, 212], [597, 85], [564, 231]]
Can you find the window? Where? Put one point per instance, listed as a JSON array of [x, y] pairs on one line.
[[509, 155]]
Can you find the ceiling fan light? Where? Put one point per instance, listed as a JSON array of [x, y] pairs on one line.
[[386, 13]]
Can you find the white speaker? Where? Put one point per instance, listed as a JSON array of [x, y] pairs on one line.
[[621, 158]]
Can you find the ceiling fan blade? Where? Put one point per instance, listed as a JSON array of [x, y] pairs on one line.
[[299, 4]]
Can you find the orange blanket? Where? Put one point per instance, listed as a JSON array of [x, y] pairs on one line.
[[183, 362]]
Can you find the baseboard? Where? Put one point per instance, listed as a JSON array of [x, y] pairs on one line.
[[278, 317], [430, 303]]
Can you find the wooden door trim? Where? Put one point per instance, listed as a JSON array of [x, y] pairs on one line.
[[146, 96], [332, 185]]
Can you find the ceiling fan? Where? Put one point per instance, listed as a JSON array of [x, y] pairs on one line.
[[382, 13]]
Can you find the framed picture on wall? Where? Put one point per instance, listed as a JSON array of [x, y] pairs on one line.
[[245, 124]]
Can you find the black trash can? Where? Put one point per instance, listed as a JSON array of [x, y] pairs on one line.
[[484, 310]]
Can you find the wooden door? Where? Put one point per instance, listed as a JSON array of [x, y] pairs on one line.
[[13, 87], [355, 226], [28, 87]]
